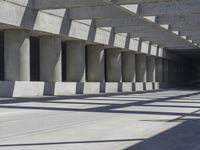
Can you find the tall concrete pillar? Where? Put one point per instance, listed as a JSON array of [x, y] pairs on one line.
[[165, 71], [128, 66], [50, 59], [95, 63], [141, 73], [159, 70], [171, 72], [113, 65], [17, 55], [1, 55], [75, 61], [151, 72]]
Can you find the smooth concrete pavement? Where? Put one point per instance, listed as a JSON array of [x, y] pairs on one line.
[[162, 120]]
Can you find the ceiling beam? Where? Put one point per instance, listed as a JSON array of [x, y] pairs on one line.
[[98, 12], [124, 2], [115, 22], [134, 29], [178, 20], [56, 4], [176, 7]]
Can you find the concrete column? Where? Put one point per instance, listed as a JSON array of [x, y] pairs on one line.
[[171, 72], [1, 55], [17, 55], [95, 63], [75, 61], [165, 71], [128, 66], [141, 74], [50, 59], [113, 65], [159, 70], [151, 72]]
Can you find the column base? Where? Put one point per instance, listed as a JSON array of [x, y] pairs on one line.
[[38, 89]]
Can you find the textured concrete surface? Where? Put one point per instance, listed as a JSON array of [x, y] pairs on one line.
[[164, 120], [50, 59], [17, 51]]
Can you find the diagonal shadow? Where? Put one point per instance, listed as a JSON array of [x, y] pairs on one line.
[[73, 142], [112, 107], [185, 136], [50, 98]]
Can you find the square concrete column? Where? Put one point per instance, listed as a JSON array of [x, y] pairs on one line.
[[50, 59], [17, 55], [141, 72], [113, 65], [75, 61], [165, 71], [151, 71], [95, 63], [128, 66], [159, 70]]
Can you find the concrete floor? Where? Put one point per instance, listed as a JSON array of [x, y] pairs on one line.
[[165, 120]]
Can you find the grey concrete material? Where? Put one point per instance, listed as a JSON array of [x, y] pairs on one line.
[[127, 87], [113, 65], [114, 22], [50, 59], [159, 70], [73, 88], [151, 71], [172, 73], [21, 89], [138, 86], [179, 20], [165, 71], [2, 55], [149, 86], [81, 13], [102, 122], [128, 66], [75, 57], [141, 72], [40, 23], [175, 7], [51, 4], [17, 55], [113, 87], [156, 85], [95, 71]]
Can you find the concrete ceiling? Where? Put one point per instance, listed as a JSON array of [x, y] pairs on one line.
[[171, 24]]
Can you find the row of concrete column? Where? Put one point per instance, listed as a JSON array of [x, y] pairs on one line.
[[92, 63]]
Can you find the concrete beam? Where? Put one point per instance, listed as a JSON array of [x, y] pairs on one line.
[[186, 27], [176, 7], [55, 4], [133, 29], [115, 22], [178, 20], [189, 33], [97, 12], [123, 2]]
